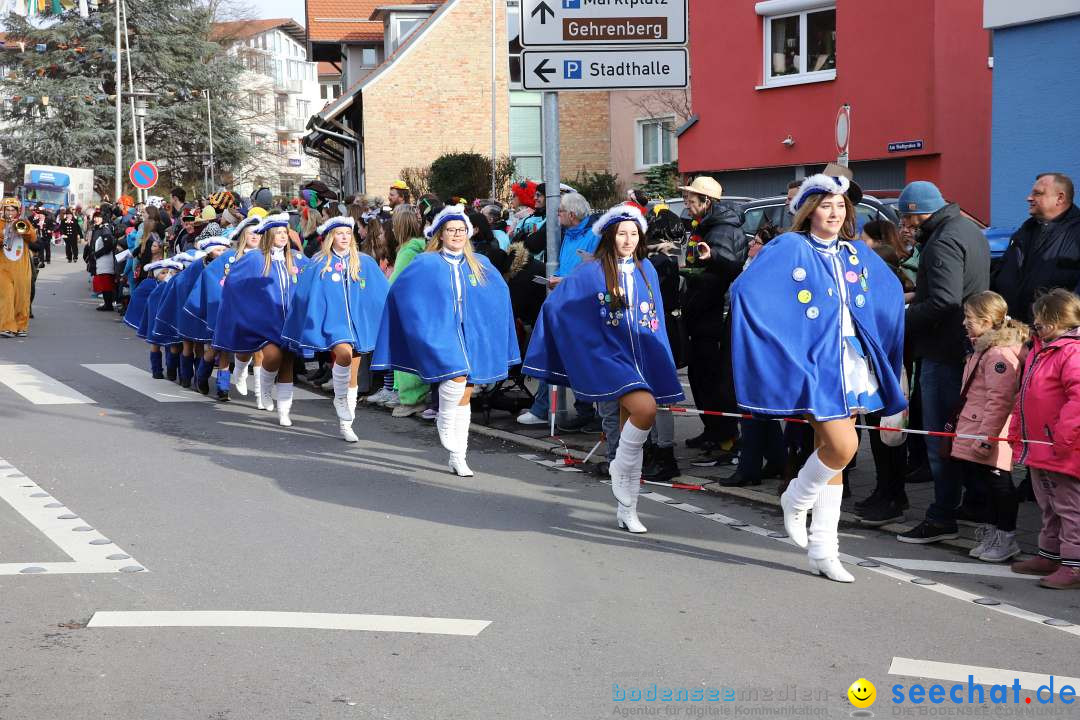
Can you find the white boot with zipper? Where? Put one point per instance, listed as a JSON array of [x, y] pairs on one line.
[[824, 544]]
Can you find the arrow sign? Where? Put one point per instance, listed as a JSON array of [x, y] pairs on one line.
[[543, 8], [603, 69], [559, 24], [542, 69], [143, 175]]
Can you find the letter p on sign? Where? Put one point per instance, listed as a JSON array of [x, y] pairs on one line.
[[572, 69]]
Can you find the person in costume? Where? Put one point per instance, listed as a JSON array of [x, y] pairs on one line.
[[160, 330], [199, 313], [602, 332], [448, 320], [337, 309], [255, 299], [170, 308], [161, 271], [817, 330], [194, 330], [19, 240]]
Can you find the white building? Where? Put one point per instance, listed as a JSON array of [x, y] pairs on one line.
[[280, 91]]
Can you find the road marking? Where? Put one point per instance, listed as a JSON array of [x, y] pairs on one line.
[[39, 388], [165, 391], [298, 392], [983, 675], [310, 621], [91, 551], [958, 568]]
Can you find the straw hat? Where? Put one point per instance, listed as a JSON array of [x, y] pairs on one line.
[[705, 185]]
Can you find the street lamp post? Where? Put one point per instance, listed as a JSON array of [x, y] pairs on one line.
[[210, 127]]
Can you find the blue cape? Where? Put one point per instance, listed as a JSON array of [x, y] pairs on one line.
[[581, 341], [331, 308], [157, 333], [137, 303], [422, 331], [201, 307], [171, 310], [253, 305], [786, 328]]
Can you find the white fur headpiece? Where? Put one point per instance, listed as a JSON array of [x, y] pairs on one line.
[[188, 256], [819, 185], [448, 213], [336, 222], [210, 242], [248, 222], [618, 214], [273, 221]]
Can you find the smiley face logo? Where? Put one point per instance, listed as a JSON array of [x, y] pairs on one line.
[[862, 693]]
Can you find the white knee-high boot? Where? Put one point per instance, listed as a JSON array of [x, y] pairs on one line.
[[350, 401], [240, 373], [627, 460], [264, 383], [340, 376], [284, 403], [801, 494], [824, 547], [450, 394], [462, 420]]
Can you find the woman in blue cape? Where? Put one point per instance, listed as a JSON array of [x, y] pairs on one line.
[[146, 297], [602, 332], [204, 300], [191, 328], [258, 290], [338, 305], [170, 311], [817, 330], [448, 319]]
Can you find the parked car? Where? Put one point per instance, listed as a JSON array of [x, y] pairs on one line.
[[773, 210]]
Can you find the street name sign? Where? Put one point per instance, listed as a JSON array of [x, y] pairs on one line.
[[633, 69], [603, 22]]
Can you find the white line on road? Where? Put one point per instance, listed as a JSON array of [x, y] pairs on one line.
[[165, 391], [311, 621], [39, 388], [91, 551], [983, 675], [959, 568]]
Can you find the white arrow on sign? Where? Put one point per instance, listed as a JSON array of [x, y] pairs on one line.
[[632, 69], [587, 22]]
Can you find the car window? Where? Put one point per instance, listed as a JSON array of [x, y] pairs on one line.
[[775, 215], [752, 218], [865, 214]]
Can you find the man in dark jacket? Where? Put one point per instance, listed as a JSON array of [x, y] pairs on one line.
[[1045, 252], [953, 266], [715, 258]]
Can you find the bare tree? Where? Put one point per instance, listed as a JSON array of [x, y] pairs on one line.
[[659, 103]]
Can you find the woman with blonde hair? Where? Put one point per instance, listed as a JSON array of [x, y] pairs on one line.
[[817, 330], [448, 320], [258, 289], [337, 309]]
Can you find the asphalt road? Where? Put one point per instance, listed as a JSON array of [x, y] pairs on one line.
[[213, 507]]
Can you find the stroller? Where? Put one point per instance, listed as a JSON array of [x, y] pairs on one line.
[[509, 395]]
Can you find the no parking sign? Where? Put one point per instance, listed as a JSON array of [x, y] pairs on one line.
[[143, 175]]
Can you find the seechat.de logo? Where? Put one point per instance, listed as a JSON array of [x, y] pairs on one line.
[[572, 69]]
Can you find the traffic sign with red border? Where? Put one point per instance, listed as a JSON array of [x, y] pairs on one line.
[[143, 175]]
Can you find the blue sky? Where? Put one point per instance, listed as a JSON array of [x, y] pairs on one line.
[[281, 8]]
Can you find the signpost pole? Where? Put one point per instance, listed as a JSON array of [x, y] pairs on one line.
[[551, 199], [117, 161]]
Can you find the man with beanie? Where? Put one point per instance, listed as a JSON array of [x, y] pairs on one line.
[[954, 265], [1044, 252]]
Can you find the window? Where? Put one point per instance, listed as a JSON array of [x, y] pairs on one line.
[[401, 27], [526, 134], [369, 57], [800, 47], [303, 108], [324, 91], [655, 141]]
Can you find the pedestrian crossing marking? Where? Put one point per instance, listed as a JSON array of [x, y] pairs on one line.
[[296, 620], [164, 391], [39, 388], [90, 551]]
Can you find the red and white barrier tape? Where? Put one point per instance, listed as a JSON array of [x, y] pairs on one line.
[[909, 431]]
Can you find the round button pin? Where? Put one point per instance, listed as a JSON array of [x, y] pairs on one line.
[[805, 296], [798, 274], [860, 301], [851, 277], [853, 260], [812, 313], [335, 277]]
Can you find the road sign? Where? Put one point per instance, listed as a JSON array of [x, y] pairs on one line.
[[843, 129], [143, 175], [631, 69], [603, 22]]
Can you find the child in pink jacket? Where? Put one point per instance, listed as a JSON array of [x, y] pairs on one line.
[[990, 377], [1048, 411]]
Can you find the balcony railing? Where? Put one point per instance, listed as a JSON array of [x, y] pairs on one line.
[[288, 85], [290, 124]]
